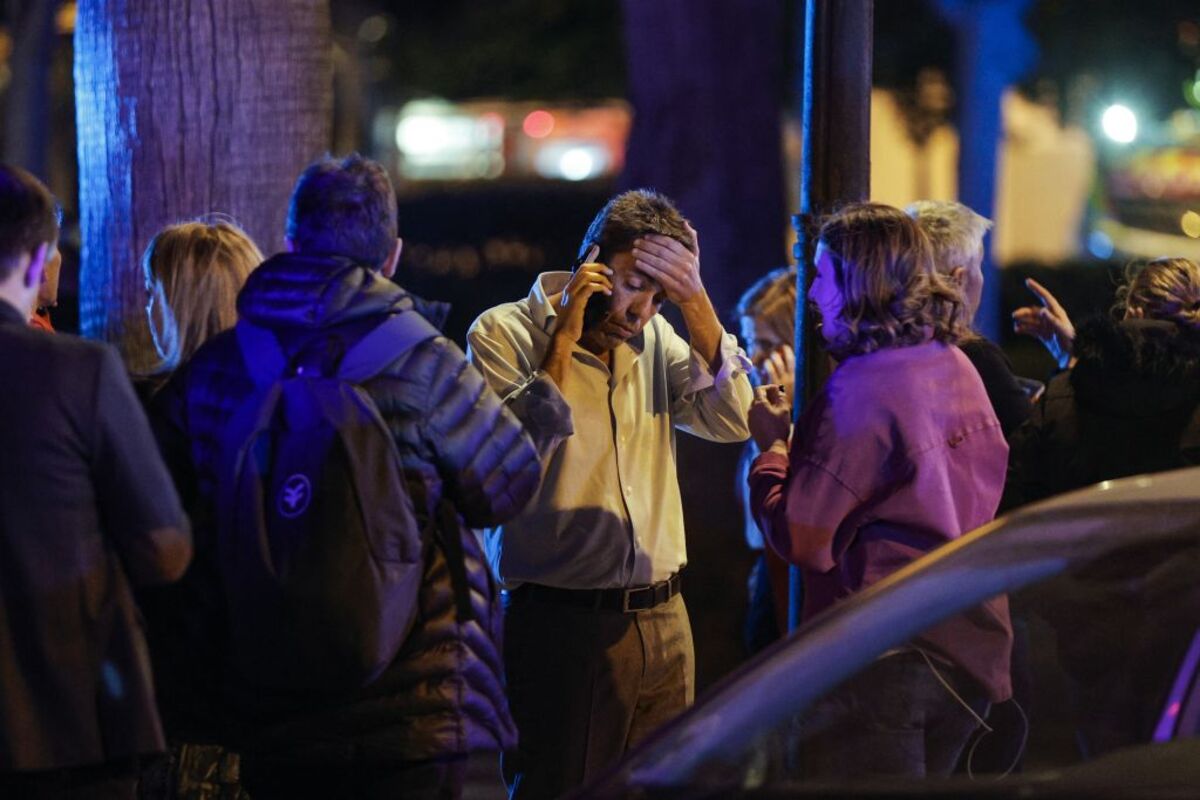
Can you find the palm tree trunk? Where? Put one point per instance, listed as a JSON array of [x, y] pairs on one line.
[[188, 108]]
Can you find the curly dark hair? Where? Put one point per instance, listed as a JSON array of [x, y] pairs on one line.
[[630, 215]]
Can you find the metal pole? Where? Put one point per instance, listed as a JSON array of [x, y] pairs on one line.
[[836, 163]]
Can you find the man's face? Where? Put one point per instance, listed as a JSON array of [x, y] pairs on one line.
[[48, 290], [635, 300], [826, 295]]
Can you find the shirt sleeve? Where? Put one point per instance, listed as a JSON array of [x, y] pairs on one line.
[[530, 394], [799, 508], [713, 407], [138, 504]]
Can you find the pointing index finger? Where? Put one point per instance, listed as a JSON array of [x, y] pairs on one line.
[[1043, 294]]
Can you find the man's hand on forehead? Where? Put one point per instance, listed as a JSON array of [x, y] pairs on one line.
[[668, 263]]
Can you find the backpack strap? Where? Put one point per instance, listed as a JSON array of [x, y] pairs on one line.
[[448, 533], [264, 356], [373, 353], [380, 348]]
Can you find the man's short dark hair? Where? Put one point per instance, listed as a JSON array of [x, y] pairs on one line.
[[29, 217], [344, 207], [630, 215]]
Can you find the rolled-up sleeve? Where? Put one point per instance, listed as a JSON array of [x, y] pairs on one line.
[[713, 407]]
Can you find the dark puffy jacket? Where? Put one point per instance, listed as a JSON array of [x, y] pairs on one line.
[[1128, 406], [444, 693]]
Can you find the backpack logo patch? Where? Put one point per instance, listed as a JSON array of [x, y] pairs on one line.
[[294, 496]]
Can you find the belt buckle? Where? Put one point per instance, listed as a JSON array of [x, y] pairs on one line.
[[625, 595]]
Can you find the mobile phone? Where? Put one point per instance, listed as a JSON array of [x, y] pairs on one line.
[[597, 305]]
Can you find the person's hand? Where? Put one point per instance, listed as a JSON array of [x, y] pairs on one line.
[[770, 417], [588, 279], [779, 368], [672, 265], [1048, 323]]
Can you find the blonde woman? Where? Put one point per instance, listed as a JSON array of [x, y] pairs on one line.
[[898, 453], [194, 271]]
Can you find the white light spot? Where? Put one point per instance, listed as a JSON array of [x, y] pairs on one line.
[[577, 164], [1119, 124]]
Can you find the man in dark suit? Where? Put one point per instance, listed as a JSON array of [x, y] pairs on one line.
[[86, 505]]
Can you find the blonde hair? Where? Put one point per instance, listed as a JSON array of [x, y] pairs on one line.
[[194, 271], [892, 295], [1166, 289], [954, 230], [771, 301]]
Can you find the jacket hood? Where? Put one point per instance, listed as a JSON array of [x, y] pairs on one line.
[[297, 292], [1136, 368]]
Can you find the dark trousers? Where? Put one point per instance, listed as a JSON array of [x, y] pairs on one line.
[[277, 779], [893, 719], [584, 686], [116, 780]]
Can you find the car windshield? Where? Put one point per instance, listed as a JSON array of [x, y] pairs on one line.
[[1099, 662]]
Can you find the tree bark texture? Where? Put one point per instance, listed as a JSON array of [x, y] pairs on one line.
[[706, 80], [186, 108]]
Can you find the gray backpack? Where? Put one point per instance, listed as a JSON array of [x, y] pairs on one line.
[[318, 545]]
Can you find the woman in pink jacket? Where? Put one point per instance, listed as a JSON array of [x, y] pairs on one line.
[[897, 454]]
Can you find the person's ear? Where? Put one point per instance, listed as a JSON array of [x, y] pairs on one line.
[[37, 267], [959, 276], [393, 261]]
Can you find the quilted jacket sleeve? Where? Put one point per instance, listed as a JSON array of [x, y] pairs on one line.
[[487, 462]]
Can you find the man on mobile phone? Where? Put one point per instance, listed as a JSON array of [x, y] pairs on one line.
[[598, 647]]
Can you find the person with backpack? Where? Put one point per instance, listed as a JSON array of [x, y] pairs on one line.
[[334, 446]]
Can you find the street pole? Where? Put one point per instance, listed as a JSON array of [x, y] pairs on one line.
[[835, 89]]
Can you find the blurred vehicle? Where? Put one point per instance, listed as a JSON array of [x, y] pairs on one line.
[[1106, 582]]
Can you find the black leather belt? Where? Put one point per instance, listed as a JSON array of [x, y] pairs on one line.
[[637, 598]]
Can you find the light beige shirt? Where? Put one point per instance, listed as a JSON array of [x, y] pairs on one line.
[[608, 512]]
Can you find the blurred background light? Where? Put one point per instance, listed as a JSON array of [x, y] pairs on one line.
[[571, 159], [373, 29], [1190, 223], [1119, 123], [438, 141], [1099, 244], [538, 124]]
